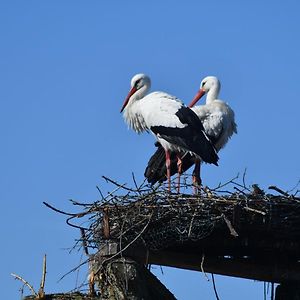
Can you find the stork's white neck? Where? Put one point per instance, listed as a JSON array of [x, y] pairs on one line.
[[213, 93], [140, 93], [132, 113]]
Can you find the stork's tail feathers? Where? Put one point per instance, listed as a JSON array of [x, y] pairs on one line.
[[156, 168], [207, 152]]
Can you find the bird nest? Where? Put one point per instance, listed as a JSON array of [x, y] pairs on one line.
[[155, 218]]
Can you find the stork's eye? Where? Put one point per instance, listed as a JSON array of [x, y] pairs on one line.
[[137, 83], [203, 84]]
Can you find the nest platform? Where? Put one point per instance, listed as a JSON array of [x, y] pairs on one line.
[[244, 233], [233, 230]]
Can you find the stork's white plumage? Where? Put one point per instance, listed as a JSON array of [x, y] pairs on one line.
[[176, 127], [218, 121], [216, 115]]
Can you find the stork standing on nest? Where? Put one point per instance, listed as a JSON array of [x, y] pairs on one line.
[[176, 127], [219, 124]]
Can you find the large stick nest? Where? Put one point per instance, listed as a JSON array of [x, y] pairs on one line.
[[153, 217]]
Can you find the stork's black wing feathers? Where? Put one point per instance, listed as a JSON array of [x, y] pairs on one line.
[[192, 137]]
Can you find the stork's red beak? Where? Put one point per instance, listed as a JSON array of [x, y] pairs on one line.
[[131, 92], [200, 93]]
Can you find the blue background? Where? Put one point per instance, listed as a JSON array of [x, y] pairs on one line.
[[65, 69]]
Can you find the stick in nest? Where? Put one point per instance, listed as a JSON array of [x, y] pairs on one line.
[[214, 286], [34, 293], [201, 266], [275, 188], [41, 291], [231, 229]]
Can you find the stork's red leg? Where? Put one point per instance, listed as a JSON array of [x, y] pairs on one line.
[[196, 176], [179, 170], [168, 165]]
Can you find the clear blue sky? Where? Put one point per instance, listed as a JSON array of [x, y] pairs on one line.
[[65, 69]]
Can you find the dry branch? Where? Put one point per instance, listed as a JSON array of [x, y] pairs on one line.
[[41, 292], [25, 282]]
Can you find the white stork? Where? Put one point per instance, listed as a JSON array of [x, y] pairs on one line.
[[219, 124], [176, 127]]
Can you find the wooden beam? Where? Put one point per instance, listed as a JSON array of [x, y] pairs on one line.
[[263, 269]]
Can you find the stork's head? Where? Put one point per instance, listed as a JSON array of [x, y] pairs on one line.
[[209, 83], [140, 84]]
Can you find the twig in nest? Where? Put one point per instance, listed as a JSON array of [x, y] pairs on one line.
[[111, 194], [231, 229], [226, 183], [201, 266], [73, 225], [135, 183], [58, 210], [295, 195], [208, 192], [73, 270], [237, 189], [244, 177], [191, 223], [295, 187], [295, 190], [117, 184], [76, 203], [275, 188], [91, 277], [91, 280], [214, 286], [84, 242], [25, 283], [241, 185], [105, 221], [41, 293], [254, 210], [257, 191], [97, 187]]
